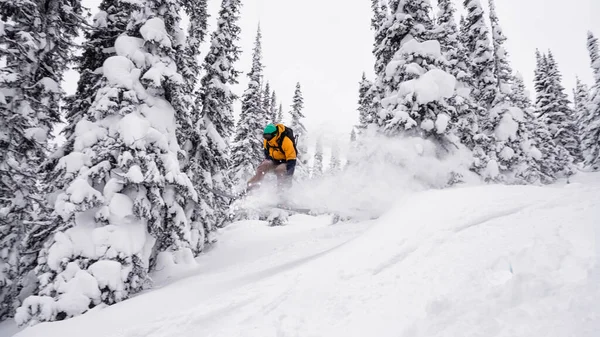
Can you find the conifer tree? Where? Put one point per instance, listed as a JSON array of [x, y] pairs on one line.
[[272, 113], [36, 39], [505, 123], [247, 147], [388, 37], [296, 112], [464, 120], [190, 69], [197, 29], [446, 32], [479, 49], [335, 163], [581, 104], [299, 131], [379, 8], [591, 137], [266, 102], [462, 59], [594, 52], [549, 161], [123, 210], [366, 109], [541, 80], [383, 47], [110, 21], [502, 69], [280, 113], [554, 159], [213, 114], [407, 109], [317, 169], [536, 137], [558, 115], [530, 169], [520, 95]]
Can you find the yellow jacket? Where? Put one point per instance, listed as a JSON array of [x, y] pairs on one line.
[[286, 152]]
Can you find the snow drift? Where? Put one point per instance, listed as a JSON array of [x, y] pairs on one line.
[[466, 261]]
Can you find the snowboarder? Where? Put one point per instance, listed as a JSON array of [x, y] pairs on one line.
[[279, 145]]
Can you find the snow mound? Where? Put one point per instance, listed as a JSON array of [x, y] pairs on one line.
[[429, 48], [154, 30], [434, 85], [120, 72], [131, 47]]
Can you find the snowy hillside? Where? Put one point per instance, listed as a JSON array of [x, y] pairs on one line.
[[469, 261]]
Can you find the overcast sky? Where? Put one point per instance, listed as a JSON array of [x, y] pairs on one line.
[[326, 45]]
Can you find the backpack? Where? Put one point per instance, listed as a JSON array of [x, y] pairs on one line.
[[288, 132]]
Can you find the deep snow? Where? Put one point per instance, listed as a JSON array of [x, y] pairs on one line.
[[467, 261]]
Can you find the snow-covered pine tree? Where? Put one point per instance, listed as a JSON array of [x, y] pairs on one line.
[[190, 69], [266, 103], [317, 169], [366, 108], [108, 24], [36, 40], [379, 8], [505, 124], [520, 94], [296, 112], [123, 209], [464, 64], [299, 131], [272, 113], [581, 104], [558, 115], [594, 51], [541, 80], [465, 119], [280, 113], [502, 69], [477, 56], [446, 32], [247, 148], [197, 29], [410, 106], [551, 161], [383, 48], [180, 94], [335, 163], [591, 138], [476, 38], [385, 43], [529, 169], [555, 159], [110, 21], [213, 115]]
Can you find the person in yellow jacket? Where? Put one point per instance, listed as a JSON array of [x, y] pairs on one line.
[[280, 156]]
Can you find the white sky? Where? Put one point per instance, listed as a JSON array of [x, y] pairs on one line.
[[326, 45]]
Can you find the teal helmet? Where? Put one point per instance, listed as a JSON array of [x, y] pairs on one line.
[[269, 129]]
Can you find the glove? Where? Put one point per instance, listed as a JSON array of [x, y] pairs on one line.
[[290, 166]]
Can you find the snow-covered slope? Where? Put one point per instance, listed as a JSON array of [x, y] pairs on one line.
[[470, 261]]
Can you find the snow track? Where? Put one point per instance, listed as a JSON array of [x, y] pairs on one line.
[[471, 261]]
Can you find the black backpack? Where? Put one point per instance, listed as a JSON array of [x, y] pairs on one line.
[[288, 132]]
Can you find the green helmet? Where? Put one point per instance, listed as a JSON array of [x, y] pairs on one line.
[[270, 128]]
